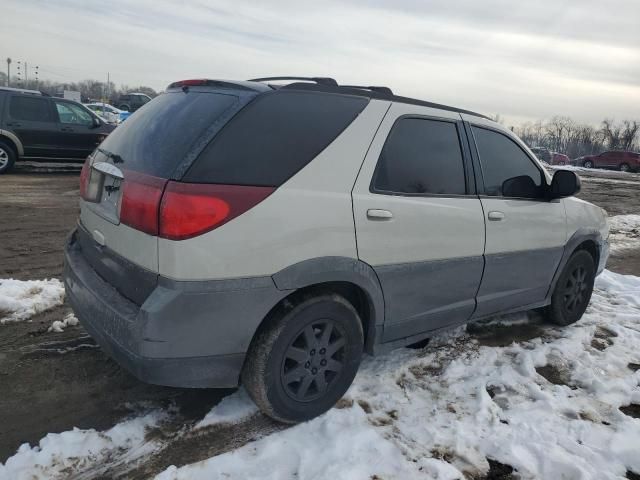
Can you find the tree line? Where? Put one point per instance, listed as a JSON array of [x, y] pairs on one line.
[[90, 90], [564, 135]]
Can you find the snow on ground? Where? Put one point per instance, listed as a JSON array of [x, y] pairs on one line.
[[549, 407], [58, 326], [230, 410], [625, 232], [20, 299], [59, 455]]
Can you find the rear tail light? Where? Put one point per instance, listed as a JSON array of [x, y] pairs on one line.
[[90, 184], [178, 211], [191, 209], [140, 201], [84, 177]]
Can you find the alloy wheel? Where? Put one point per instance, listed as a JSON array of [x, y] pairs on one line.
[[4, 158], [575, 291], [313, 361]]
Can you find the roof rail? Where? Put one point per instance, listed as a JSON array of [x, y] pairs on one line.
[[318, 80], [386, 90]]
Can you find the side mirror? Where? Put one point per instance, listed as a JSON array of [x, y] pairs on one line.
[[520, 187], [95, 122], [565, 183]]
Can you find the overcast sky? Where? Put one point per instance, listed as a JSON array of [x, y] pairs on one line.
[[522, 59]]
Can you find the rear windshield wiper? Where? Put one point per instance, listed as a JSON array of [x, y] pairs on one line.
[[113, 156]]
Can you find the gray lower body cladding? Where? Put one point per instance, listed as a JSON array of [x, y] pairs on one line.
[[184, 334]]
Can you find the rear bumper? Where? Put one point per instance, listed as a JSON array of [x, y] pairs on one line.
[[185, 334]]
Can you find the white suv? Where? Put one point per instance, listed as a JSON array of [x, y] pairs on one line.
[[270, 234]]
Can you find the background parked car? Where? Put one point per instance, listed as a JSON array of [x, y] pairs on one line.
[[34, 126], [559, 159], [623, 161], [105, 111], [543, 154], [132, 101]]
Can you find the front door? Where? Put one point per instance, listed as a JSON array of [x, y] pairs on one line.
[[78, 135], [525, 235], [32, 120], [418, 222]]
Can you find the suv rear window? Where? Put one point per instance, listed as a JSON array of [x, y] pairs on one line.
[[274, 137], [156, 138]]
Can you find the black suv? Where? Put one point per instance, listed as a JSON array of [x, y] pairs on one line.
[[34, 126], [132, 101]]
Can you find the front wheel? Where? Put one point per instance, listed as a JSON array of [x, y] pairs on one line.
[[588, 164], [573, 290], [7, 158], [305, 358], [625, 167]]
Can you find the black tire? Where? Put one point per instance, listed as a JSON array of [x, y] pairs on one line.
[[624, 167], [588, 164], [291, 354], [7, 157], [573, 290]]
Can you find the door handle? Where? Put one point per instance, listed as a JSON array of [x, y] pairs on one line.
[[377, 214], [13, 124], [495, 216], [66, 129]]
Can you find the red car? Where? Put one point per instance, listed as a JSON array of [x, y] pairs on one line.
[[559, 159], [623, 161]]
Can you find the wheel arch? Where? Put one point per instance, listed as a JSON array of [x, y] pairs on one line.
[[13, 142], [351, 278], [589, 240]]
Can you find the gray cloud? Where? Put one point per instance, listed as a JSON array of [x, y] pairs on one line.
[[521, 59]]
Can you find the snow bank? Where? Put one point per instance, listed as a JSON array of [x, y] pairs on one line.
[[625, 232], [60, 454], [20, 300], [58, 326], [548, 407], [232, 409]]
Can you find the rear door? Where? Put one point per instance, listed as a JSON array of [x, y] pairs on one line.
[[79, 135], [418, 221], [32, 119], [525, 235]]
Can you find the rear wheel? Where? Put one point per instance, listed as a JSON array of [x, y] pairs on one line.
[[624, 167], [573, 290], [7, 157], [304, 360], [588, 164]]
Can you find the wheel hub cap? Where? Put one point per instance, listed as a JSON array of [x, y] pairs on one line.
[[313, 361], [575, 290], [4, 158]]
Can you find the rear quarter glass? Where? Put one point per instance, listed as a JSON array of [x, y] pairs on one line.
[[273, 137], [157, 138]]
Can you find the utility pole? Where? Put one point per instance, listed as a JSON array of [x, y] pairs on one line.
[[8, 72]]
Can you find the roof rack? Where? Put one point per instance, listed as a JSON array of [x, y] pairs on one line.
[[386, 90], [22, 90], [318, 80]]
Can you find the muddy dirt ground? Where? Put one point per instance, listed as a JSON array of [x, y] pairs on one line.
[[52, 382]]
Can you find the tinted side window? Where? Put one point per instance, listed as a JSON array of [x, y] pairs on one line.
[[421, 156], [273, 137], [501, 158], [31, 109]]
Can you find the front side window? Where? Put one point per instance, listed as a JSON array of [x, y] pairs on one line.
[[501, 159], [69, 113], [421, 156], [30, 109]]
